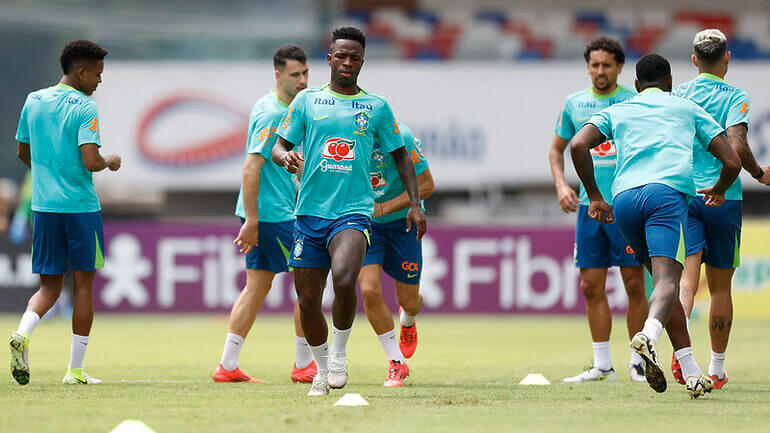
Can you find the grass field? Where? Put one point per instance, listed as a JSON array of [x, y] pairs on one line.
[[464, 378]]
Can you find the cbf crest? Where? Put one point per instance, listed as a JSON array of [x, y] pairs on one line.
[[379, 159], [362, 121]]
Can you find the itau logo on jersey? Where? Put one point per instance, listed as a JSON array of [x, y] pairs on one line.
[[339, 149]]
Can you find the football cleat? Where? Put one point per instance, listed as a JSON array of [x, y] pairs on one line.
[[676, 369], [304, 375], [19, 344], [408, 339], [636, 372], [320, 386], [653, 372], [698, 385], [397, 372], [592, 374], [719, 383], [222, 375], [77, 376], [338, 370]]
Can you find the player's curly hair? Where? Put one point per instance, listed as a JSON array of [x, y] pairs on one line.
[[288, 52], [349, 33], [80, 49], [652, 68], [606, 44]]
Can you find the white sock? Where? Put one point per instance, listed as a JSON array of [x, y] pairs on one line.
[[390, 346], [340, 340], [78, 351], [602, 359], [687, 361], [652, 328], [717, 364], [635, 358], [405, 319], [302, 354], [232, 351], [28, 322], [321, 355]]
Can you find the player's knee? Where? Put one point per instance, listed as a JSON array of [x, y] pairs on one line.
[[411, 302], [591, 290], [635, 290], [344, 281], [370, 292]]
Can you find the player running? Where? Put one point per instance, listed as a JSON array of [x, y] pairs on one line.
[[396, 251], [714, 233], [599, 246], [655, 134], [266, 208], [338, 124], [59, 141]]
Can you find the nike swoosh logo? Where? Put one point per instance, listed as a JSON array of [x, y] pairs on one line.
[[411, 275], [584, 119], [352, 224], [320, 118]]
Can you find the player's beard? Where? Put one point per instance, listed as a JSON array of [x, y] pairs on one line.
[[345, 81]]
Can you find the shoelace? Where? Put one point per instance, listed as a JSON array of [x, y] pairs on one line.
[[395, 368], [408, 334]]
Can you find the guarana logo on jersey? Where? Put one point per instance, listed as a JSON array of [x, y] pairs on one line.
[[158, 131], [339, 149], [378, 180], [362, 121], [605, 149]]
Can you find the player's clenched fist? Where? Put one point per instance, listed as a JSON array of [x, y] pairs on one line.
[[601, 211], [292, 161], [113, 162]]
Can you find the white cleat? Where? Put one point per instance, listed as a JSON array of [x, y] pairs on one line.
[[653, 371], [320, 386], [593, 374], [338, 370], [636, 371], [698, 385], [77, 376]]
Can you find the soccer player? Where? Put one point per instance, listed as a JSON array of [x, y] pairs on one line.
[[266, 207], [599, 246], [396, 251], [337, 124], [655, 134], [714, 233], [59, 141]]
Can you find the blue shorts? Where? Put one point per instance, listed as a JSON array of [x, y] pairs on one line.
[[599, 245], [272, 253], [59, 239], [313, 234], [652, 218], [396, 250], [717, 231]]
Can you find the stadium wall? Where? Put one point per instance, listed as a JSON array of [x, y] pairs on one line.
[[183, 125]]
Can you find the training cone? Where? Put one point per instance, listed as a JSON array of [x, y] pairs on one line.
[[132, 426], [352, 400], [534, 379]]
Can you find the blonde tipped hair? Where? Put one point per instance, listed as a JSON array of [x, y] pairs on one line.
[[710, 45]]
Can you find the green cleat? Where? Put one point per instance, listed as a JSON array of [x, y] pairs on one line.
[[19, 344], [76, 376]]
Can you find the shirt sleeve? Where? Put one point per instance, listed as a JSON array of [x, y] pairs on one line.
[[414, 148], [706, 128], [292, 125], [387, 130], [739, 110], [565, 128], [22, 132], [603, 122], [262, 134], [88, 130]]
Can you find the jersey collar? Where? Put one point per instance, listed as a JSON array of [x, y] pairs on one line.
[[65, 87], [607, 95], [651, 90], [361, 92], [283, 104], [712, 77]]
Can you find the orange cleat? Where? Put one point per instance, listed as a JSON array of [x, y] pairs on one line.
[[304, 375], [397, 372], [408, 340], [237, 375], [676, 369], [719, 383]]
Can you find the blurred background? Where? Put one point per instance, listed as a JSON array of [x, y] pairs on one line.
[[479, 82]]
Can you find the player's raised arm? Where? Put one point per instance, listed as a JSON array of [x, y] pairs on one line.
[[568, 199], [586, 139], [731, 167]]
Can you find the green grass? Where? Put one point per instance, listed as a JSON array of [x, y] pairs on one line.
[[464, 378]]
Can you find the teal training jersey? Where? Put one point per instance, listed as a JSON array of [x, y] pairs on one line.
[[338, 133], [654, 134], [277, 191], [385, 178], [729, 106], [578, 108], [55, 122]]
